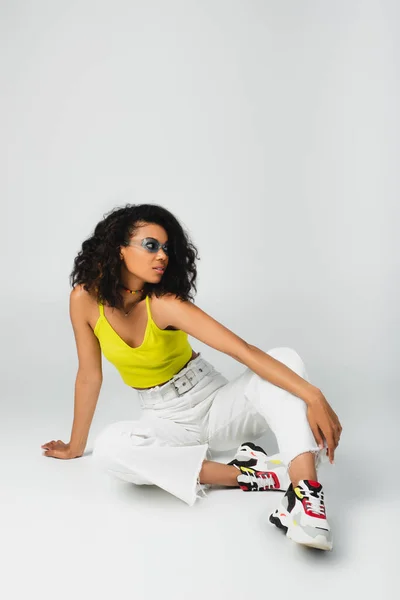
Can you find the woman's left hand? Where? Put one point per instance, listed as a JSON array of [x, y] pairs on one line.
[[324, 424], [58, 449]]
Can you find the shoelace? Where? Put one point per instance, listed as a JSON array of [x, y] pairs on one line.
[[267, 479], [316, 505]]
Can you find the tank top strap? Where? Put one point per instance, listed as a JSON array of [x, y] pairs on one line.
[[101, 309], [150, 318]]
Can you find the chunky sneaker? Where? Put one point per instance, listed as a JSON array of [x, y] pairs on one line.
[[302, 515], [259, 472]]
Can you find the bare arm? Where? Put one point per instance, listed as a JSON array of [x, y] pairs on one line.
[[190, 318], [88, 380], [323, 420], [86, 396]]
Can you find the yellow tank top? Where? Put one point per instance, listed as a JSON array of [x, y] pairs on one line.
[[162, 354]]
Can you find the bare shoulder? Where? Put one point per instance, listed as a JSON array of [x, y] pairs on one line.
[[167, 303], [169, 299], [162, 308], [83, 305], [79, 294], [80, 298]]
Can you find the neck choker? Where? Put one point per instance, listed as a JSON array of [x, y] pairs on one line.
[[126, 313], [130, 291]]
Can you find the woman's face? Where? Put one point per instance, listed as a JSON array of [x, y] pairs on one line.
[[146, 256]]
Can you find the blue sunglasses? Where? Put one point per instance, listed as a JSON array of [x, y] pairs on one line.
[[151, 245]]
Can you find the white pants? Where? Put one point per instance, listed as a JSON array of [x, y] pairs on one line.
[[168, 444]]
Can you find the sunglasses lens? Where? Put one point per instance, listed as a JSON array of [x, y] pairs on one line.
[[153, 246]]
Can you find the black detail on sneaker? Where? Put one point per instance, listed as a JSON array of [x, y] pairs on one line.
[[254, 447], [276, 521], [249, 463], [252, 462], [291, 497]]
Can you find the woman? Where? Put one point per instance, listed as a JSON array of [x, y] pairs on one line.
[[131, 300]]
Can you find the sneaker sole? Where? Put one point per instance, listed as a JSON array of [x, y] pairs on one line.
[[296, 534]]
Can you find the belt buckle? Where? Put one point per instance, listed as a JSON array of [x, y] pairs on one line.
[[187, 385], [190, 374]]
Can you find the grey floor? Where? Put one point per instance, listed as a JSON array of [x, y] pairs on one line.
[[70, 531]]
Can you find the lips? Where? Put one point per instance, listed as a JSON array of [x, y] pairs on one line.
[[159, 269]]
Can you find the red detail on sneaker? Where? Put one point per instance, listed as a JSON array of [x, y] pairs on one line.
[[253, 454], [308, 510], [313, 483]]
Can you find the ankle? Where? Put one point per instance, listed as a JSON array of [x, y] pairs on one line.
[[213, 473], [302, 467], [235, 472]]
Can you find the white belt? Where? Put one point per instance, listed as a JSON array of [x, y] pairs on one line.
[[183, 381]]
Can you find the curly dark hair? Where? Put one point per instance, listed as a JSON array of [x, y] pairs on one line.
[[98, 266]]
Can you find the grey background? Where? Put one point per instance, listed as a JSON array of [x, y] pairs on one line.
[[271, 130]]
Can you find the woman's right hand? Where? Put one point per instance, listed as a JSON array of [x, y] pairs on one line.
[[57, 449]]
